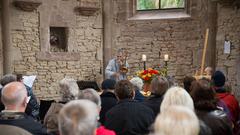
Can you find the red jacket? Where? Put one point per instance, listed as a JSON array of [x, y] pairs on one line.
[[231, 103], [103, 131]]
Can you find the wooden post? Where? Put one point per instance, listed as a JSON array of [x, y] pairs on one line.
[[204, 51]]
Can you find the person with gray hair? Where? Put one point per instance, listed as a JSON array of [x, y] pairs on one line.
[[118, 66], [5, 80], [159, 86], [92, 95], [8, 78], [14, 98], [78, 117], [69, 91], [138, 86], [177, 120]]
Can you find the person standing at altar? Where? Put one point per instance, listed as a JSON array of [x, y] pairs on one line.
[[117, 67]]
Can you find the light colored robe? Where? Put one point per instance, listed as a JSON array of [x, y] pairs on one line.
[[112, 68]]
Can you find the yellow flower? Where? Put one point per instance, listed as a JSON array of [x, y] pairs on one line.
[[150, 69], [144, 76]]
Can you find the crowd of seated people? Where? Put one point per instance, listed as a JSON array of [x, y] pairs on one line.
[[201, 107]]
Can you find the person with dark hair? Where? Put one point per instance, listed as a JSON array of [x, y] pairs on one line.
[[4, 81], [33, 106], [206, 108], [159, 86], [108, 98], [187, 81], [128, 117], [227, 98]]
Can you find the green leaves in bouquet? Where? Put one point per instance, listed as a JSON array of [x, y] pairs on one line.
[[163, 71]]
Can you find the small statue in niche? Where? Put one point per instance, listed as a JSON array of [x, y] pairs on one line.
[[54, 39], [58, 39]]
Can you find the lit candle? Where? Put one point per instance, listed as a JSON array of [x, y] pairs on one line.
[[166, 58], [144, 57]]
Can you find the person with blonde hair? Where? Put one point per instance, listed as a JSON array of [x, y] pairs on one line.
[[69, 91], [78, 117], [177, 120], [177, 96]]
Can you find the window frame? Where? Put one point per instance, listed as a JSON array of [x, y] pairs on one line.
[[154, 14], [159, 7]]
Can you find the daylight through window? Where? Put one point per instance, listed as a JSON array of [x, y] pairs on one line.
[[160, 4]]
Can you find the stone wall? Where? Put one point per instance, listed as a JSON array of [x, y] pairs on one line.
[[85, 41], [229, 29], [1, 51], [181, 38]]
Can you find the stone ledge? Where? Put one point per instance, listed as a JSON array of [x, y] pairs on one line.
[[58, 56], [27, 5], [86, 11], [234, 3]]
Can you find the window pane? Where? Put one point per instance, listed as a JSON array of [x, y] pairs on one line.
[[172, 4], [147, 4]]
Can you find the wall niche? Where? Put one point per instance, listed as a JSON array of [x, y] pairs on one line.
[[58, 39], [57, 35]]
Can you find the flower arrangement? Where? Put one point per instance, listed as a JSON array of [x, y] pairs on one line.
[[148, 74]]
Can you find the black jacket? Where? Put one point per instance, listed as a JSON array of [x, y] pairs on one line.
[[32, 106], [108, 100], [217, 120], [129, 117], [154, 102], [23, 121]]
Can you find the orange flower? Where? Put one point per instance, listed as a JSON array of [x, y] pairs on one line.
[[147, 75], [147, 78]]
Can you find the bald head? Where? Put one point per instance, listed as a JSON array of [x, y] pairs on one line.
[[14, 96]]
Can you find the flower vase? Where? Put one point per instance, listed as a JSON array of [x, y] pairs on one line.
[[146, 87]]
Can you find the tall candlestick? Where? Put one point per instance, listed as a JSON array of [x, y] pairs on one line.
[[144, 65], [144, 57], [166, 58]]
